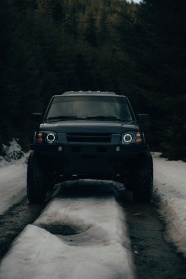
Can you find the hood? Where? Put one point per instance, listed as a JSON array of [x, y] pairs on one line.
[[84, 126]]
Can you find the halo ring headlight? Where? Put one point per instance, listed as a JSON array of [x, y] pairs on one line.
[[50, 138], [127, 138]]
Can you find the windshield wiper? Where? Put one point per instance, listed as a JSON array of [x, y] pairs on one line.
[[97, 117], [100, 117], [63, 117]]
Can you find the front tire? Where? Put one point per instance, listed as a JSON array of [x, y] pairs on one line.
[[36, 177], [143, 188], [128, 181]]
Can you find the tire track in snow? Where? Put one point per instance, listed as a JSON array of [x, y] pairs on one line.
[[81, 234]]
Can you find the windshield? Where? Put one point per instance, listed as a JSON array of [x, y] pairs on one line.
[[89, 107]]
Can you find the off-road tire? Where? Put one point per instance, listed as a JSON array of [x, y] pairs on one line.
[[36, 178], [143, 188], [128, 181]]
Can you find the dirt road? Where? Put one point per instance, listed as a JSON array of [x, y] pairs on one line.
[[154, 257]]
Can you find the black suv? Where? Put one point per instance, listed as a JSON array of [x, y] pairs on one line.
[[89, 135]]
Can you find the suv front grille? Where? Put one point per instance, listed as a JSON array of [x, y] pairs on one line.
[[90, 137]]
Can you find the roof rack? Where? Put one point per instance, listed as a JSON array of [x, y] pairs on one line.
[[88, 92]]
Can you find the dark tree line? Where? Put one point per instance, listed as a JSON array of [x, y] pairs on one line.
[[50, 46], [161, 59]]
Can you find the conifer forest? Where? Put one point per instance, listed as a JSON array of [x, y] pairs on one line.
[[48, 47]]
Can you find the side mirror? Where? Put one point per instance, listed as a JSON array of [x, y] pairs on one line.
[[36, 117], [144, 119]]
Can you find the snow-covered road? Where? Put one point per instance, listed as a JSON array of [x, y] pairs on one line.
[[94, 248], [97, 224], [96, 245]]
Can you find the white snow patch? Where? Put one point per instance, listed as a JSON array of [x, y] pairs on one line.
[[12, 153], [170, 188], [99, 248], [12, 185], [12, 175]]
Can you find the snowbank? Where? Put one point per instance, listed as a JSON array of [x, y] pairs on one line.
[[170, 191], [12, 175]]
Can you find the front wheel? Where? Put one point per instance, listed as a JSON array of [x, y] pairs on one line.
[[36, 177], [143, 188]]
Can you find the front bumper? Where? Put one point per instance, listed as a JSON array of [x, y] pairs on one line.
[[90, 160]]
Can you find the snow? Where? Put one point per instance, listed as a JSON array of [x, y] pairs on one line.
[[11, 152], [12, 185], [98, 246], [135, 1], [12, 175], [170, 185]]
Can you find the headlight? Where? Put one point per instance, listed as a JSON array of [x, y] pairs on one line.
[[45, 137], [132, 138], [127, 138], [51, 138]]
